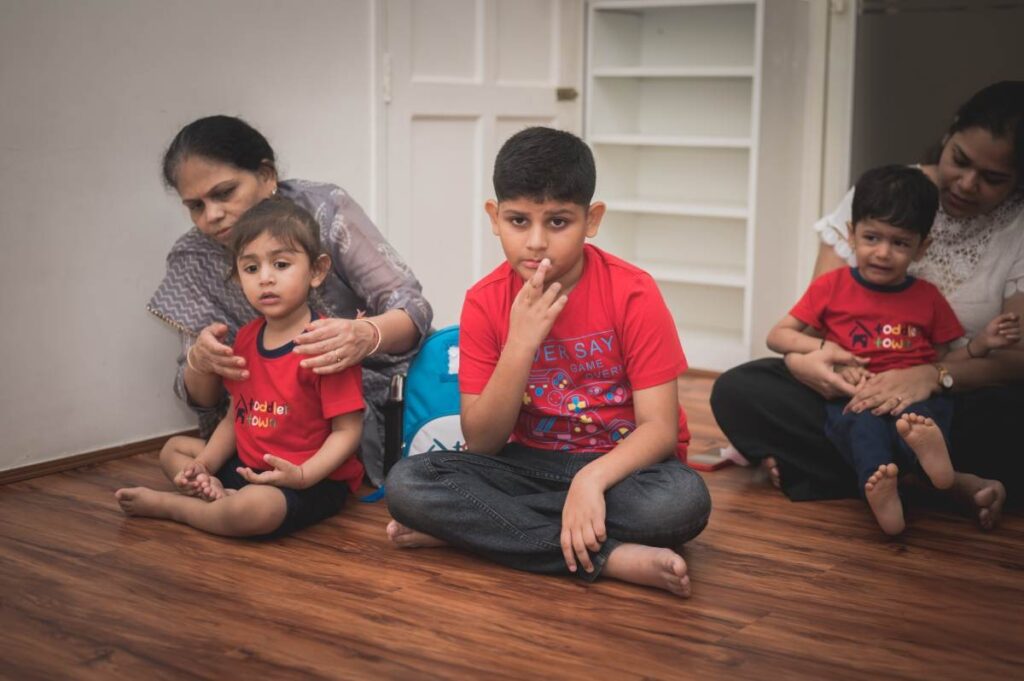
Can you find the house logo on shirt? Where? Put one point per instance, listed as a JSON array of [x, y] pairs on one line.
[[262, 414]]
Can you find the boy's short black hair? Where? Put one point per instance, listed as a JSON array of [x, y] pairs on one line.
[[901, 196], [545, 164]]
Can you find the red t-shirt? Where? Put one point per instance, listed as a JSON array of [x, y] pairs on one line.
[[894, 326], [614, 336], [286, 410]]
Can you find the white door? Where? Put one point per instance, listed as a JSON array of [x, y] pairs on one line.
[[458, 77]]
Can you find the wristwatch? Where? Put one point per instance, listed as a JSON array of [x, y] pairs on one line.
[[945, 378]]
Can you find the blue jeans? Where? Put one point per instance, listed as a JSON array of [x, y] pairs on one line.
[[867, 441], [508, 508]]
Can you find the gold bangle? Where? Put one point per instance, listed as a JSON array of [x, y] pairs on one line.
[[376, 329], [188, 360]]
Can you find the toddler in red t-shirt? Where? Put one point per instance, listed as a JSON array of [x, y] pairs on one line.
[[283, 457], [889, 320], [567, 369]]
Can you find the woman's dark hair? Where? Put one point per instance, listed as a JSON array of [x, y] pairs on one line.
[[545, 164], [901, 196], [225, 139], [999, 109], [282, 219]]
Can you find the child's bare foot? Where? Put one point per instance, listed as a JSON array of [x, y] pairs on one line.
[[210, 488], [649, 566], [925, 438], [770, 465], [986, 497], [408, 538], [186, 480], [884, 499], [142, 501]]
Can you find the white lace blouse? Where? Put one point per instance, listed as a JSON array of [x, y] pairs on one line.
[[976, 262]]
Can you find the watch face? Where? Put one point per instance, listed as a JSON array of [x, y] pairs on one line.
[[947, 381]]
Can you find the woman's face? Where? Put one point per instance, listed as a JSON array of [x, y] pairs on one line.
[[217, 194], [976, 172]]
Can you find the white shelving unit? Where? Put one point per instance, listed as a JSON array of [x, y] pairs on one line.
[[672, 115]]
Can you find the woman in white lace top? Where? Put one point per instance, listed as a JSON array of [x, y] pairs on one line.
[[771, 409]]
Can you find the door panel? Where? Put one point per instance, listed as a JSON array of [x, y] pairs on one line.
[[460, 77]]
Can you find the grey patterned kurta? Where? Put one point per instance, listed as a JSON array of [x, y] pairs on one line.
[[369, 275]]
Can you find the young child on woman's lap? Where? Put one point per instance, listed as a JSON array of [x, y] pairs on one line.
[[891, 321], [283, 457]]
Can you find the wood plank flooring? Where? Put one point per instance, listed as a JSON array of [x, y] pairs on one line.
[[781, 591]]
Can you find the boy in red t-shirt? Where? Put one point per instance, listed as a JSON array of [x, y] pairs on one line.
[[568, 365], [890, 320], [283, 457]]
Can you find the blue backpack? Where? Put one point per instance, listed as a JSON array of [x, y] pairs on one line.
[[430, 417]]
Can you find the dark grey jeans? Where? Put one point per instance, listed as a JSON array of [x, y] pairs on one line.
[[508, 508]]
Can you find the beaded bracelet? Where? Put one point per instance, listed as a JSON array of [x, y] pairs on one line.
[[380, 336]]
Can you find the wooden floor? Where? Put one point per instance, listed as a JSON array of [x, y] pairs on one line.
[[781, 591]]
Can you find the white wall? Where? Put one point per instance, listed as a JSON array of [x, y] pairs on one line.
[[790, 149], [90, 94]]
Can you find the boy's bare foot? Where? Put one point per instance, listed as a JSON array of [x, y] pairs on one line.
[[770, 465], [649, 566], [986, 497], [408, 538], [142, 501], [884, 499], [925, 438]]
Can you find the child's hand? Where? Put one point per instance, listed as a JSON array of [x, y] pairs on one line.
[[187, 479], [853, 374], [1001, 332], [534, 310], [582, 523], [284, 474]]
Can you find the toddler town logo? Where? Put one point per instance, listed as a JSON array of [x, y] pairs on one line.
[[257, 414], [897, 337]]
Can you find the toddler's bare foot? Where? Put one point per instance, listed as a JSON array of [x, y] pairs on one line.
[[408, 538], [771, 466], [925, 438], [884, 499], [985, 497], [649, 566], [210, 488], [143, 501]]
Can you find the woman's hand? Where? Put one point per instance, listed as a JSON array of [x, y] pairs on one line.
[[209, 354], [817, 370], [582, 522], [283, 474], [890, 392], [335, 344]]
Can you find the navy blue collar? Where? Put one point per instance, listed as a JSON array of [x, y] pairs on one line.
[[895, 288], [284, 349]]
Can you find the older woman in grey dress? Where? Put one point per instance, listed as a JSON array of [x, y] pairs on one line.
[[220, 167]]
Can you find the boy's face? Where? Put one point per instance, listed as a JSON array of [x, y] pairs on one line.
[[276, 276], [531, 231], [884, 252]]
